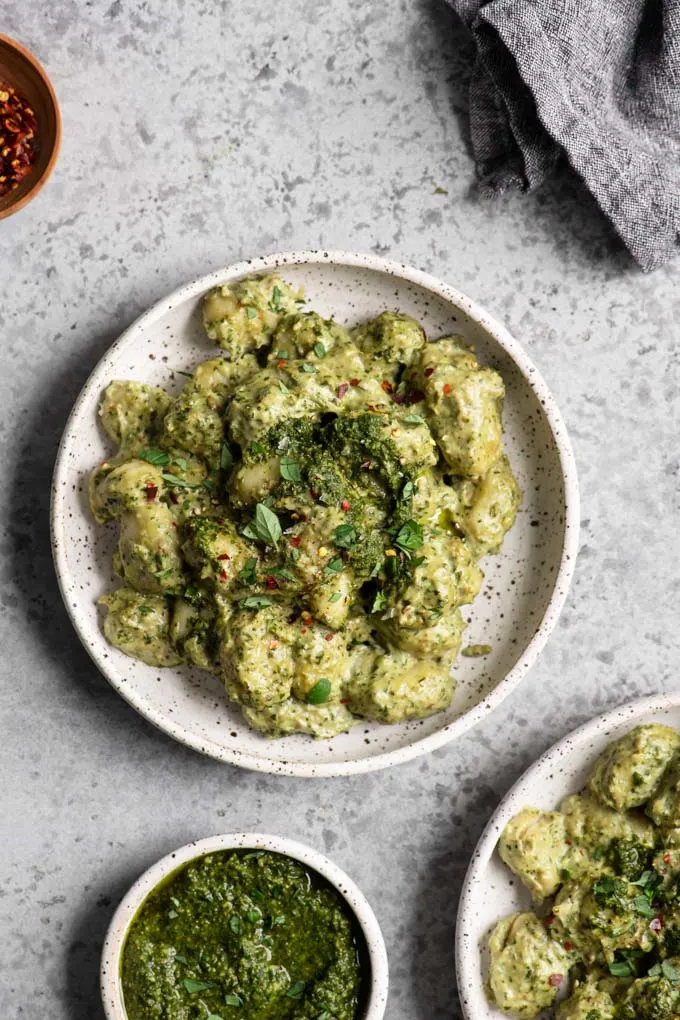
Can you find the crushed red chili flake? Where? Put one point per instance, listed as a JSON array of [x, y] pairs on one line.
[[313, 493], [224, 556], [667, 858], [341, 390], [550, 919], [387, 386], [173, 498], [428, 372], [555, 980], [223, 574], [345, 505], [151, 492], [447, 389], [18, 139], [399, 398], [568, 946], [271, 582], [280, 364], [328, 637], [296, 541], [344, 701], [415, 396], [220, 520], [354, 382]]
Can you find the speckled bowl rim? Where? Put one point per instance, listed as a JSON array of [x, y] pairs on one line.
[[500, 334], [573, 744], [114, 942]]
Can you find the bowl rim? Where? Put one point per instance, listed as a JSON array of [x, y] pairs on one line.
[[630, 712], [38, 182], [433, 741], [114, 941]]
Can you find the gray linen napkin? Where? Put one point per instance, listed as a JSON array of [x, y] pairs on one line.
[[596, 79]]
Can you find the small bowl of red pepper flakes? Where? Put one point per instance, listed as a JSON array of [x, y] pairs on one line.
[[30, 126]]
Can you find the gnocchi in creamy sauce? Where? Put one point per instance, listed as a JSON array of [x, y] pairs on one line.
[[604, 871], [306, 518]]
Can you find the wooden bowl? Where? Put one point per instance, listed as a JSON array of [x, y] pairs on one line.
[[20, 69]]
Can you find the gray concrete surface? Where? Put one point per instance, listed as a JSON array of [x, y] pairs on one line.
[[196, 133]]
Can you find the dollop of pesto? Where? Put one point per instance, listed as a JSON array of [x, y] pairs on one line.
[[610, 934], [242, 934], [307, 516]]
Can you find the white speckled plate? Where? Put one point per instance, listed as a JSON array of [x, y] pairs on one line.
[[490, 890], [525, 585]]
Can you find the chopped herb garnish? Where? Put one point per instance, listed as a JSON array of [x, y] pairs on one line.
[[253, 855], [335, 566], [265, 526], [319, 349], [256, 447], [620, 968], [179, 483], [233, 1000], [163, 574], [235, 923], [282, 356], [197, 986], [145, 610], [295, 991], [255, 602], [180, 958], [256, 894], [670, 972], [409, 536], [290, 470], [335, 597], [248, 573], [283, 387], [154, 456], [251, 312], [309, 369], [278, 920], [253, 916], [641, 905], [345, 536], [319, 693], [275, 300], [413, 419], [408, 490], [379, 602], [172, 914]]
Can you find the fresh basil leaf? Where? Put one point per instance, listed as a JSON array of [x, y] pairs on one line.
[[309, 369], [283, 387], [251, 312], [413, 419], [233, 1000], [197, 986], [335, 597], [154, 456], [172, 914], [278, 920], [275, 300], [641, 905], [265, 527], [255, 602], [408, 490], [290, 470], [335, 566], [670, 972], [163, 574], [178, 483], [282, 572], [345, 536], [256, 447], [319, 693], [409, 536], [620, 968], [319, 349], [379, 602], [295, 991], [235, 923], [282, 356], [253, 916]]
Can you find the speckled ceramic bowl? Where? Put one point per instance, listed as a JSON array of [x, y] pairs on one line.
[[374, 991], [525, 585], [490, 890]]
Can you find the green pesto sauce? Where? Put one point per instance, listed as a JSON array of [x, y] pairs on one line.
[[242, 934]]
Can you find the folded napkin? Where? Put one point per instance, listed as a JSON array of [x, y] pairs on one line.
[[598, 80]]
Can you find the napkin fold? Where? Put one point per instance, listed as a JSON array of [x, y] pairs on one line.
[[598, 80]]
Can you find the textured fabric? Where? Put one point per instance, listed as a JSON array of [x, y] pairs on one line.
[[598, 80]]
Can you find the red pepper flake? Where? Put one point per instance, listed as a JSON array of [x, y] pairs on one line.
[[550, 919], [399, 398], [303, 630], [555, 980], [296, 541], [271, 582], [220, 520], [345, 505], [313, 493], [224, 556], [568, 946], [223, 574], [307, 617], [568, 842], [341, 390], [151, 492], [447, 389], [656, 924], [415, 396], [667, 858], [387, 386], [428, 372], [274, 643], [18, 153], [173, 498], [354, 382], [344, 701], [280, 364], [328, 637]]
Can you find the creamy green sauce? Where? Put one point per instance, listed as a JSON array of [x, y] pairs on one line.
[[242, 934], [306, 518], [606, 868]]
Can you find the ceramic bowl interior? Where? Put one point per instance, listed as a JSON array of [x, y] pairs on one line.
[[372, 953], [490, 890], [525, 584], [20, 69]]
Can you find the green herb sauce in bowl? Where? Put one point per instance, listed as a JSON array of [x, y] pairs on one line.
[[255, 931]]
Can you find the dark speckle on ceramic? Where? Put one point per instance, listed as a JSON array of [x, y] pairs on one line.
[[525, 585]]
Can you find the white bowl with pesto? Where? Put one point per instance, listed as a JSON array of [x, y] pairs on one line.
[[490, 890], [525, 585], [375, 977]]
